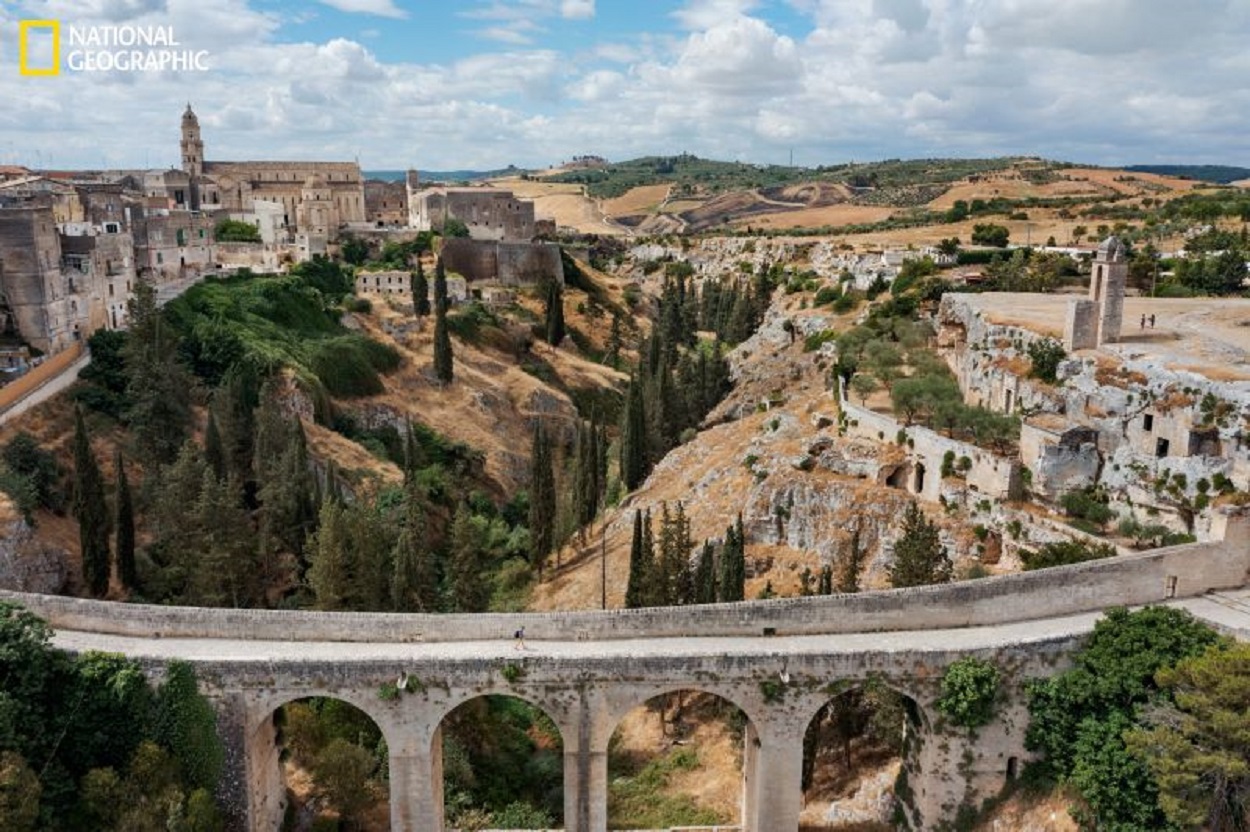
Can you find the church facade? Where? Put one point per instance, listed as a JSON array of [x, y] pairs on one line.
[[314, 199]]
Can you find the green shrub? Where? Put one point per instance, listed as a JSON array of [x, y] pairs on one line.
[[1064, 553], [969, 690]]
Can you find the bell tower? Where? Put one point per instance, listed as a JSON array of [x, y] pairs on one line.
[[192, 145]]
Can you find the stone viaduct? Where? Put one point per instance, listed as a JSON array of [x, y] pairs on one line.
[[779, 661]]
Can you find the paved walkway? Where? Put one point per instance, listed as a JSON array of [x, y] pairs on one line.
[[53, 386], [1228, 611]]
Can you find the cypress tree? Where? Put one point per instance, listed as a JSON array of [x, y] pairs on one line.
[[214, 454], [633, 438], [825, 585], [651, 588], [542, 515], [420, 291], [612, 352], [91, 511], [414, 457], [234, 406], [850, 564], [329, 570], [635, 589], [555, 314], [733, 564], [442, 337], [705, 575], [125, 523]]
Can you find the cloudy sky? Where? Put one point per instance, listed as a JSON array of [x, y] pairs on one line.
[[486, 83]]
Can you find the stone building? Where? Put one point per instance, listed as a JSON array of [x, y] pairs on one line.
[[386, 203], [58, 284], [488, 213], [317, 198]]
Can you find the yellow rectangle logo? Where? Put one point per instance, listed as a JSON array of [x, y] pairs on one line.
[[23, 48]]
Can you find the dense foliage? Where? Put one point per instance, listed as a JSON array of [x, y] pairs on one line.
[[1078, 719], [87, 743]]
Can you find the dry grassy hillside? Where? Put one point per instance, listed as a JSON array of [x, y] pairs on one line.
[[650, 209]]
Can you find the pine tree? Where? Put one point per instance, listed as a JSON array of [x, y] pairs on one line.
[[554, 322], [635, 589], [919, 557], [158, 408], [214, 454], [705, 575], [369, 560], [850, 564], [420, 291], [442, 336], [91, 511], [542, 516], [124, 514], [469, 589], [414, 584], [633, 438]]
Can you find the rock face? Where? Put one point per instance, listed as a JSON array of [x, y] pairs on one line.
[[25, 564]]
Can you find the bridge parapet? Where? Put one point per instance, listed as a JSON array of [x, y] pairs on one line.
[[1127, 580]]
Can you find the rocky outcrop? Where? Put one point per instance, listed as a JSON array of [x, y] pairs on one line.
[[26, 565]]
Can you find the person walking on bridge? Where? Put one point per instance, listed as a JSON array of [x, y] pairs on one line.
[[519, 635]]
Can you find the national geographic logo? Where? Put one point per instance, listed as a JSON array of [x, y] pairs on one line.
[[39, 30], [103, 49]]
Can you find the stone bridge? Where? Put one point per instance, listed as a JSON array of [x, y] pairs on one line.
[[779, 661]]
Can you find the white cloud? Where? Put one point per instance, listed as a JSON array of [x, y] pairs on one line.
[[577, 9], [1086, 80], [381, 8], [704, 14]]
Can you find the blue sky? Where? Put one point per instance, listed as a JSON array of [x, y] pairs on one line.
[[486, 83]]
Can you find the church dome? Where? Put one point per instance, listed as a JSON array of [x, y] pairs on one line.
[[189, 117]]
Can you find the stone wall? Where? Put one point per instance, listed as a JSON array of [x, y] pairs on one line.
[[1127, 580], [990, 475], [512, 264]]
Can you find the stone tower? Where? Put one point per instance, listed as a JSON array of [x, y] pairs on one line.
[[192, 144], [192, 153], [412, 186], [1106, 287], [1096, 321]]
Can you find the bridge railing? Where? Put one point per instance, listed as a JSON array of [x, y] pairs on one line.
[[1127, 580]]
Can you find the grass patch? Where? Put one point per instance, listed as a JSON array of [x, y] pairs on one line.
[[637, 801]]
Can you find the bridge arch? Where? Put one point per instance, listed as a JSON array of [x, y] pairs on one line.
[[862, 734], [264, 745], [673, 699], [496, 699]]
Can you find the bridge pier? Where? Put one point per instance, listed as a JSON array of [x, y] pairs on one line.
[[772, 764], [417, 788]]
